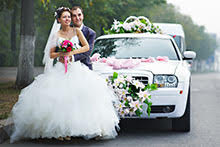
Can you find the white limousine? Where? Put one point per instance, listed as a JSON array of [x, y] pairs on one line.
[[173, 77]]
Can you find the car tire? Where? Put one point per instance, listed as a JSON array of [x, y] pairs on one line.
[[183, 123]]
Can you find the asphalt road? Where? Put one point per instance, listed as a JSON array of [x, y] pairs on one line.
[[205, 124]]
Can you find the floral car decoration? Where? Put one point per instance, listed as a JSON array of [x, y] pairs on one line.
[[132, 94], [133, 24], [117, 64]]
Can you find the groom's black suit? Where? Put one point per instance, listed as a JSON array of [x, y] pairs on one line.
[[85, 57]]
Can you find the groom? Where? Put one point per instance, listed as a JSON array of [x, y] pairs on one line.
[[89, 34]]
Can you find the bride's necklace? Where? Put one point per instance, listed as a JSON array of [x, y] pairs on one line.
[[67, 33]]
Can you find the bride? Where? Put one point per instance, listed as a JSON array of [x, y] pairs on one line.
[[60, 105]]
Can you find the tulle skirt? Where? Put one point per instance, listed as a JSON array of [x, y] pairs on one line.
[[58, 104]]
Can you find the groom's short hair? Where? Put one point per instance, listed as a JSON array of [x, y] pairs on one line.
[[75, 7]]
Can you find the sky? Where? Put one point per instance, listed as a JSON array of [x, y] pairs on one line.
[[203, 12]]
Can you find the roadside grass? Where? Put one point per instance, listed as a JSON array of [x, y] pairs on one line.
[[8, 97]]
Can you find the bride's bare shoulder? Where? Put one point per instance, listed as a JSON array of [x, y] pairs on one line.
[[58, 33]]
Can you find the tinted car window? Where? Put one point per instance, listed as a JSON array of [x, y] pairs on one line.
[[135, 47]]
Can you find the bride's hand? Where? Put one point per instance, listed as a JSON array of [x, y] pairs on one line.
[[61, 59], [68, 54], [61, 54]]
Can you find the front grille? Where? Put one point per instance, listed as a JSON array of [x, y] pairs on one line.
[[142, 79]]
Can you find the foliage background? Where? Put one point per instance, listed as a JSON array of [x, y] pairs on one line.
[[98, 14]]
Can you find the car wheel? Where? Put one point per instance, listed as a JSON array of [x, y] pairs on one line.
[[183, 123]]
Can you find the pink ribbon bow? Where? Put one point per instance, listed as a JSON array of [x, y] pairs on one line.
[[65, 62]]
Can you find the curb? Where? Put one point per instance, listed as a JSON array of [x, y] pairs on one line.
[[6, 126]]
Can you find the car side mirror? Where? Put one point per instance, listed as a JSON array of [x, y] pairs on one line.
[[189, 55]]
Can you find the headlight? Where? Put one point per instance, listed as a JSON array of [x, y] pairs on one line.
[[166, 81]]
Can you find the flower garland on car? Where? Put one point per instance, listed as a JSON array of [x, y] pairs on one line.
[[117, 64], [132, 94], [133, 24]]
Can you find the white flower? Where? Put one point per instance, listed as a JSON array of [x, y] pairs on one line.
[[147, 28], [126, 111], [131, 113], [136, 83], [116, 26], [121, 93], [158, 30], [145, 94], [116, 83], [141, 85], [120, 106], [120, 85], [124, 92], [116, 22], [127, 26], [133, 25], [120, 79], [135, 105], [128, 105], [129, 78], [141, 25], [117, 30], [129, 98], [55, 14], [60, 8], [122, 113]]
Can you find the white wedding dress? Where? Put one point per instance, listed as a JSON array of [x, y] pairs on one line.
[[76, 103]]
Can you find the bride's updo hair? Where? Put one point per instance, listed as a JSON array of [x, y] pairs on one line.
[[60, 11]]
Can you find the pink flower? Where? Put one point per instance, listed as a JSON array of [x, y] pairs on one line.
[[65, 42], [124, 64], [164, 58], [128, 63], [103, 60], [110, 61], [148, 60], [64, 46], [95, 57], [117, 64], [70, 43]]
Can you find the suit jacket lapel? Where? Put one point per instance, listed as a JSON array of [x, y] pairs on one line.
[[84, 31]]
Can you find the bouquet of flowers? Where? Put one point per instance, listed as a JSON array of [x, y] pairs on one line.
[[132, 94], [66, 46], [133, 25]]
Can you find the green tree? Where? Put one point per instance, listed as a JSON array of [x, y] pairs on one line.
[[9, 18]]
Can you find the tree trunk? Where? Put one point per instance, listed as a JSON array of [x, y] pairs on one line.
[[25, 73], [13, 29]]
